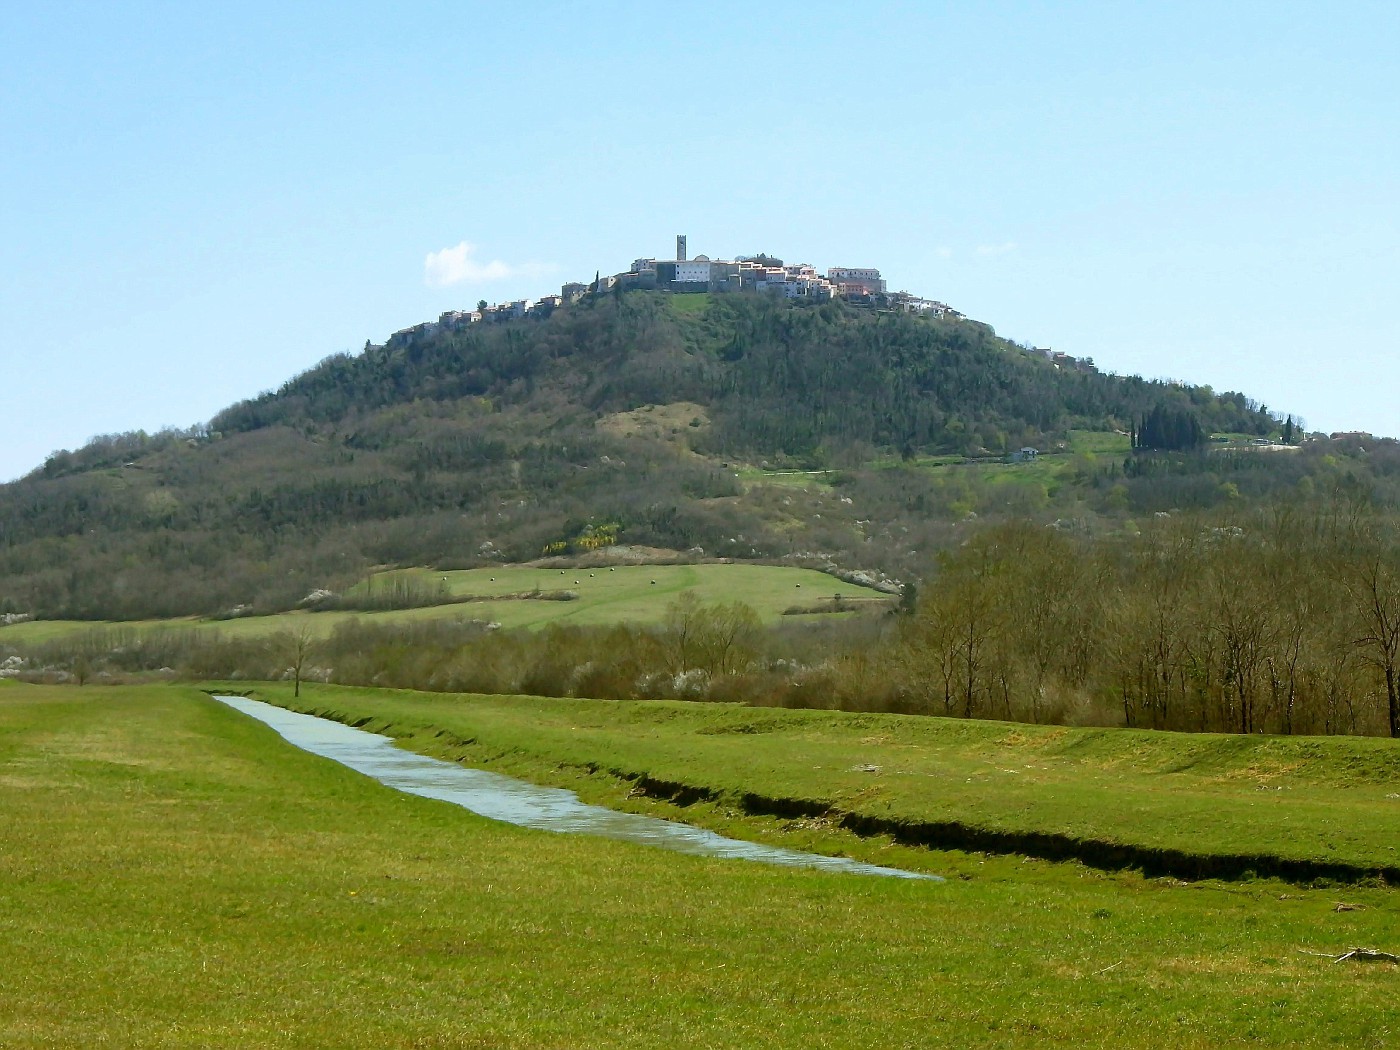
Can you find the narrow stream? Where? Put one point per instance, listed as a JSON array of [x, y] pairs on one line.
[[518, 802]]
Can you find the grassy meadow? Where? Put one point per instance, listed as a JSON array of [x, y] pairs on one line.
[[690, 303], [816, 480], [605, 596], [176, 875], [1321, 800], [636, 593]]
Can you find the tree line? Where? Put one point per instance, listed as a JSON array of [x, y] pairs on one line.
[[1285, 619]]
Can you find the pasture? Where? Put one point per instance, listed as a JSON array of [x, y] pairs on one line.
[[1269, 801], [605, 595], [628, 593], [178, 876]]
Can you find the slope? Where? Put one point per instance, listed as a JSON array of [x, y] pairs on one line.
[[465, 446]]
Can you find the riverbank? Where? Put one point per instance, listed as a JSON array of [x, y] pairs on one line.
[[1190, 806], [179, 876]]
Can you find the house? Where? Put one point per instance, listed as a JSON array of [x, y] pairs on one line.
[[913, 304], [1023, 455], [635, 280], [454, 319], [867, 281], [693, 271]]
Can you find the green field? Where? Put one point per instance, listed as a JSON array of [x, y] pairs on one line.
[[177, 876], [690, 302], [1305, 799], [819, 480], [1099, 443], [624, 593]]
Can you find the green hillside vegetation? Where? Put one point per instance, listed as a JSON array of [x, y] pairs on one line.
[[454, 448], [254, 895]]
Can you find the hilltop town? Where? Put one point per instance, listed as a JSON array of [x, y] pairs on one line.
[[753, 274], [683, 274]]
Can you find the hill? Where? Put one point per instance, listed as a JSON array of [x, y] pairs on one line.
[[621, 419]]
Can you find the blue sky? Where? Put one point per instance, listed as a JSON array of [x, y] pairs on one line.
[[198, 203]]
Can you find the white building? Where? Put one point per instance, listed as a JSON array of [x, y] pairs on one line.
[[697, 270], [867, 279]]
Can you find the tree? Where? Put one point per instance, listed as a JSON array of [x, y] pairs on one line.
[[1170, 429], [717, 639], [1372, 580], [295, 645], [959, 617]]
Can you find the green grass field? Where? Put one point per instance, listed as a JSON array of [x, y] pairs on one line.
[[690, 303], [1099, 443], [625, 593], [1322, 800], [177, 876], [818, 480]]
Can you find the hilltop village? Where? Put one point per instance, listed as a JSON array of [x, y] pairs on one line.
[[747, 273], [753, 274]]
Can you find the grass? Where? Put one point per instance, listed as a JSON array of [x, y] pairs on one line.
[[627, 592], [177, 876], [690, 303], [1026, 485], [1079, 442], [624, 593], [1304, 799], [819, 480], [1099, 443]]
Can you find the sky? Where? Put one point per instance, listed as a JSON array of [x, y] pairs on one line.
[[199, 201]]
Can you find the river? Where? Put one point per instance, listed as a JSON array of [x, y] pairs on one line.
[[519, 802]]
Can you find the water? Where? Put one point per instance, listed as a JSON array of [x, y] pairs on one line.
[[518, 802]]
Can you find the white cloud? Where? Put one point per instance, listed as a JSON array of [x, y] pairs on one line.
[[996, 249], [450, 266], [943, 252]]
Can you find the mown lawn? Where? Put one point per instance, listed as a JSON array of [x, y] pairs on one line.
[[176, 876]]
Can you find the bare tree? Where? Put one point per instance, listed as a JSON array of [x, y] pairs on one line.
[[1373, 583], [716, 638], [296, 644]]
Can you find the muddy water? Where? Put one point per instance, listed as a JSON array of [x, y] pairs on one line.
[[518, 802]]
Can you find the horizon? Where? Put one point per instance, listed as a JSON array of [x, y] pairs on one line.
[[203, 204]]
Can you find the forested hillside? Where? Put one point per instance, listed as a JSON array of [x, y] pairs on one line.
[[795, 382], [643, 419]]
